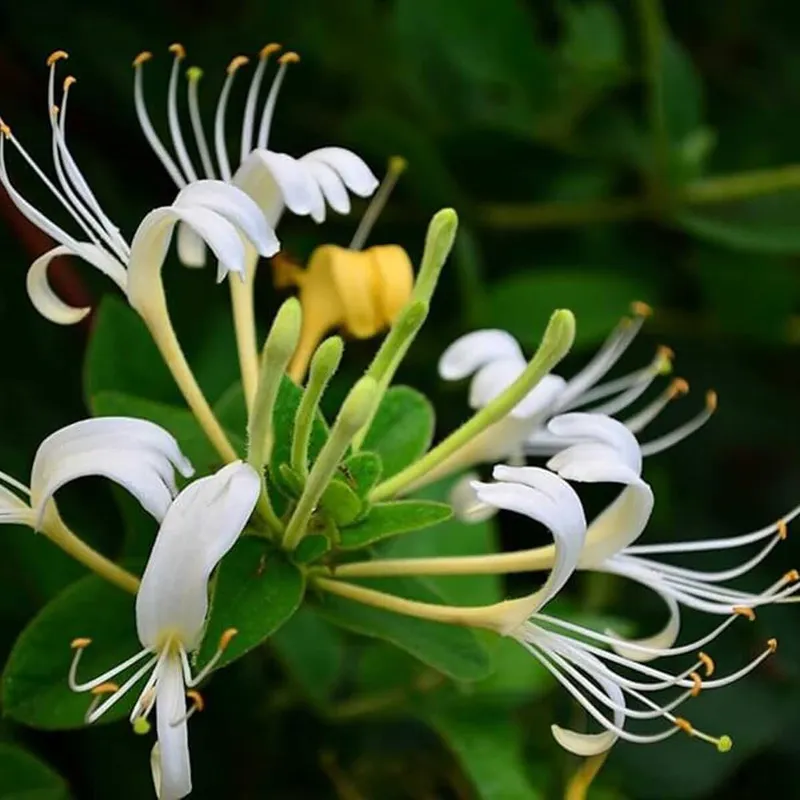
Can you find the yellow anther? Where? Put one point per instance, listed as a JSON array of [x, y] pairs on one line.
[[684, 725], [782, 528], [56, 55], [79, 644], [105, 688], [194, 73], [641, 309], [68, 81], [697, 684], [5, 130], [745, 611], [238, 61], [791, 576], [665, 352], [197, 699], [289, 58], [772, 645], [141, 726], [707, 662], [711, 400], [145, 55], [397, 165], [268, 49], [178, 50], [226, 637], [678, 387], [724, 744]]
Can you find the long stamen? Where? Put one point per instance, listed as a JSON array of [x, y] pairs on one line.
[[175, 131], [638, 422], [79, 645], [395, 169], [219, 118], [687, 429], [248, 123], [147, 126], [224, 641], [272, 98], [113, 699], [99, 692], [193, 75], [11, 481], [198, 704]]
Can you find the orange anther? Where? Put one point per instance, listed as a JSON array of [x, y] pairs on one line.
[[707, 662], [678, 387], [56, 55], [745, 611], [68, 81], [698, 684], [79, 644], [791, 576], [5, 130], [145, 55], [782, 528], [772, 645], [238, 61], [226, 637], [289, 58], [684, 725], [197, 699], [641, 309], [665, 352], [178, 50], [268, 49], [711, 400], [105, 688]]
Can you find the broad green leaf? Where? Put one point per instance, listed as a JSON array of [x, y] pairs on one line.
[[522, 303], [402, 429], [122, 357], [450, 649], [311, 548], [25, 777], [363, 471], [313, 652], [489, 746], [180, 422], [35, 689], [340, 502], [256, 590], [393, 518]]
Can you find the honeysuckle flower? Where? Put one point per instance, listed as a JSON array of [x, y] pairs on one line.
[[218, 214], [274, 180], [199, 528]]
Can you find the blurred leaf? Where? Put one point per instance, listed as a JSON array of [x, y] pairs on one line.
[[517, 675], [522, 303], [312, 651], [256, 591], [488, 744], [231, 411], [402, 429], [681, 91], [593, 39], [35, 689], [454, 651], [393, 518], [25, 777]]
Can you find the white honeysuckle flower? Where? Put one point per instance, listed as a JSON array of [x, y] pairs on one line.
[[274, 180], [138, 455], [219, 214], [200, 527], [613, 688]]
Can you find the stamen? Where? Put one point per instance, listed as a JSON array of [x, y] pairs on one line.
[[272, 98], [638, 422], [145, 55], [193, 75], [5, 130], [722, 743], [641, 309], [680, 433], [745, 611], [783, 529], [698, 684], [98, 692], [707, 662], [248, 121], [79, 645], [141, 726], [178, 50], [173, 119], [791, 576], [678, 387], [224, 642], [198, 704], [396, 167], [56, 55], [95, 713], [219, 117], [772, 645]]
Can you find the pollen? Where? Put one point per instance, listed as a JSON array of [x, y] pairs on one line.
[[684, 725], [678, 387], [56, 55], [68, 81], [268, 49], [236, 62], [145, 55], [289, 58], [79, 644], [711, 400], [641, 309], [707, 662], [782, 528], [745, 611], [791, 576], [197, 699], [105, 688], [226, 637], [178, 50], [698, 684], [141, 726], [772, 645]]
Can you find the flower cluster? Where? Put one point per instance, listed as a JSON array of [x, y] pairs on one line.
[[319, 504]]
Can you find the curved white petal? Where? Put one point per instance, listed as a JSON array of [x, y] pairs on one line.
[[540, 400], [330, 184], [600, 428], [466, 505], [493, 379], [201, 525], [172, 772], [234, 205], [191, 247], [357, 176], [137, 454], [47, 302], [470, 352]]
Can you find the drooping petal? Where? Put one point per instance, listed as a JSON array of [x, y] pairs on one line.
[[540, 400], [201, 525], [330, 184], [600, 428], [191, 247], [357, 176], [472, 351], [172, 772], [493, 379], [137, 454]]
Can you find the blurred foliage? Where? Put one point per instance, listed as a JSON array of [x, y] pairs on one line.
[[598, 152]]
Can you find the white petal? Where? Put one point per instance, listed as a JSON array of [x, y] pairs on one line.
[[172, 772], [135, 453], [330, 184], [357, 176], [236, 206], [493, 379], [201, 525], [191, 247], [600, 428], [47, 302], [540, 400], [472, 351], [466, 505]]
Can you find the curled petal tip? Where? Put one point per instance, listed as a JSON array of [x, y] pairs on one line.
[[56, 55], [268, 49], [145, 55], [236, 63], [289, 58], [178, 50]]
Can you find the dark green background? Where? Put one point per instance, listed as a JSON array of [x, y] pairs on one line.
[[574, 140]]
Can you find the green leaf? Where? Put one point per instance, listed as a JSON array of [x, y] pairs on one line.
[[178, 421], [489, 745], [402, 429], [681, 91], [256, 591], [122, 357], [25, 777], [35, 689], [231, 410], [393, 518], [450, 649], [311, 548], [340, 502], [363, 471], [313, 652], [523, 303], [593, 41]]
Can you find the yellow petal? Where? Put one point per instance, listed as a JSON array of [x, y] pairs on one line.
[[395, 280]]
